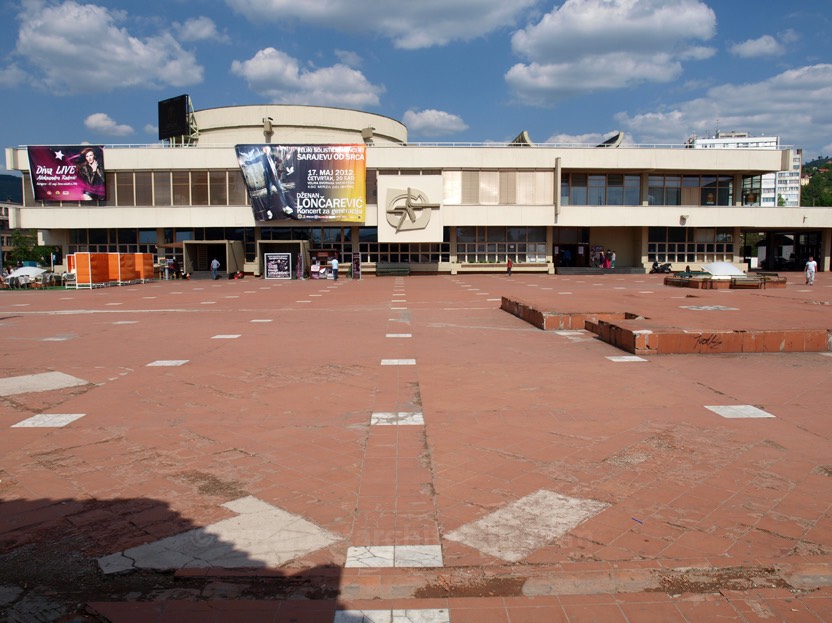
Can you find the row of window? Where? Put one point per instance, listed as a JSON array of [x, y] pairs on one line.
[[227, 188], [689, 244], [499, 253]]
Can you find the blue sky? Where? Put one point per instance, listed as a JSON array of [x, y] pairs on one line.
[[451, 70]]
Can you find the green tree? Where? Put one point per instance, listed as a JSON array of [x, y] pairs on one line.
[[818, 192], [25, 248]]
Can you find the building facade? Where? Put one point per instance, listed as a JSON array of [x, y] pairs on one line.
[[439, 208], [779, 189]]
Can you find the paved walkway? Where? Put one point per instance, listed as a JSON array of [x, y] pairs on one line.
[[400, 449]]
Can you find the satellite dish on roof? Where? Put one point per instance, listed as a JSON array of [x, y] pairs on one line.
[[613, 141]]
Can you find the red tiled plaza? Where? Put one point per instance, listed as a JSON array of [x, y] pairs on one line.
[[398, 417]]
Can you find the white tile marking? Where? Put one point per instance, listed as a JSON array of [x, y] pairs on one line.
[[261, 535], [402, 417], [303, 301], [261, 320], [208, 303], [49, 420], [570, 333], [708, 307], [127, 322], [43, 382], [398, 335], [397, 556], [169, 363], [515, 531], [398, 308], [739, 411], [226, 337], [425, 615], [626, 358], [56, 339], [398, 362]]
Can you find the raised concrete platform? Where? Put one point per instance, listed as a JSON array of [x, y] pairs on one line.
[[660, 335]]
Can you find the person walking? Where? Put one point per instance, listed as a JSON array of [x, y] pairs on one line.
[[215, 266], [335, 268], [810, 270], [612, 258], [508, 267]]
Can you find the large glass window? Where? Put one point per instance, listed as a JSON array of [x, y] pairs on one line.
[[124, 188], [181, 181], [147, 236], [664, 190], [199, 188], [161, 188], [578, 189], [752, 188], [237, 193], [689, 244], [144, 188], [598, 190], [495, 244]]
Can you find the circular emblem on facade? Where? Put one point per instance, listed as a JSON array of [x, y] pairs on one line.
[[408, 209]]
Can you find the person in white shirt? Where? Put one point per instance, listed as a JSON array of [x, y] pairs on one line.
[[810, 270], [334, 264]]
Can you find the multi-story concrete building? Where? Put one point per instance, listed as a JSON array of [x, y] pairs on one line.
[[440, 208], [778, 189]]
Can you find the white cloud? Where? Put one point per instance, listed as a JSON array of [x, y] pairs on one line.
[[789, 36], [12, 76], [151, 129], [278, 76], [754, 48], [697, 53], [541, 84], [199, 29], [349, 58], [583, 46], [79, 48], [103, 123], [410, 25], [793, 105], [433, 122]]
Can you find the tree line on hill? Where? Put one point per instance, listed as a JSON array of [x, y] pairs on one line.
[[818, 192]]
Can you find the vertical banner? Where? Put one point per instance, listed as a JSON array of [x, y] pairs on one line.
[[67, 172], [278, 265], [305, 182]]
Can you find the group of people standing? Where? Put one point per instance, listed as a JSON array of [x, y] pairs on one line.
[[600, 259]]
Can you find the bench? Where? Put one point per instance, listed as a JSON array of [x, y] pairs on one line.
[[747, 282], [395, 269]]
